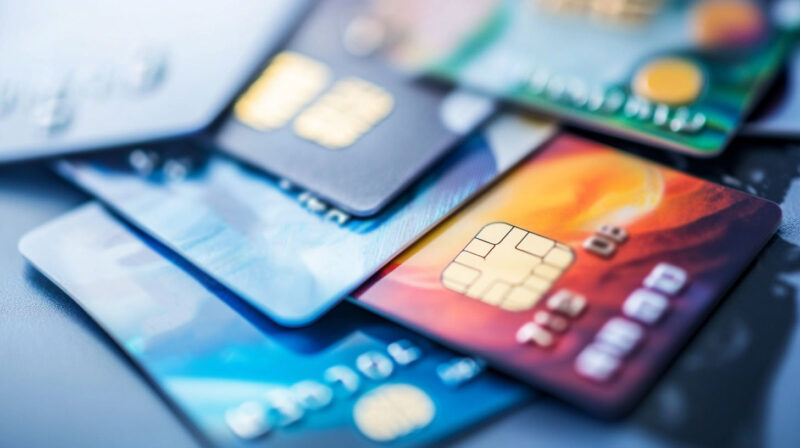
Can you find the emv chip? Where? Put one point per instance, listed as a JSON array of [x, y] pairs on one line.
[[341, 116], [287, 84], [350, 130], [508, 267], [392, 411]]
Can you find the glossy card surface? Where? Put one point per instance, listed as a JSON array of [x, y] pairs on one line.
[[342, 124], [680, 74], [351, 379], [285, 253], [159, 70], [582, 272]]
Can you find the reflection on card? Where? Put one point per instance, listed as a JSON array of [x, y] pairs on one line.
[[584, 270], [239, 377], [283, 250]]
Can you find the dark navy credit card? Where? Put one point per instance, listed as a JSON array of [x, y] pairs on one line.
[[327, 116]]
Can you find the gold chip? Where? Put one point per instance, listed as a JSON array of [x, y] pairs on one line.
[[670, 80], [341, 116], [536, 245], [507, 267], [458, 276], [521, 299], [624, 11], [288, 83], [392, 411], [496, 293], [478, 247], [537, 283], [559, 257]]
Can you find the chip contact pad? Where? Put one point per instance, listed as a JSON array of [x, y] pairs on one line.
[[507, 267]]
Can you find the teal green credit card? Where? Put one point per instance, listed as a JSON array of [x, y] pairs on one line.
[[681, 74]]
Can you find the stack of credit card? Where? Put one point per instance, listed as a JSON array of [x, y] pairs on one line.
[[376, 233]]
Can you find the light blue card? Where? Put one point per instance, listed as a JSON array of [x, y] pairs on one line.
[[351, 379], [284, 251]]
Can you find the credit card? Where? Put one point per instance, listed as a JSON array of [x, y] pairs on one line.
[[778, 116], [89, 74], [582, 272], [674, 73], [351, 379], [343, 125], [280, 249]]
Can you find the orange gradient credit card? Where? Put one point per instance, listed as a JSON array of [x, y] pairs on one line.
[[582, 273]]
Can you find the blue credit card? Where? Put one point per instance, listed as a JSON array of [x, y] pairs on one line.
[[350, 379], [286, 253]]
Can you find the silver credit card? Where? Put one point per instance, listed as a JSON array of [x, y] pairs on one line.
[[86, 74]]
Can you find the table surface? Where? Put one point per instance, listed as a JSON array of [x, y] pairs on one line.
[[64, 383]]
